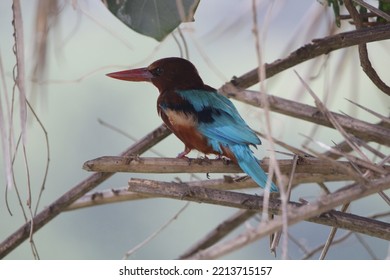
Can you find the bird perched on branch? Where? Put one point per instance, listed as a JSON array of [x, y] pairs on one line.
[[198, 115]]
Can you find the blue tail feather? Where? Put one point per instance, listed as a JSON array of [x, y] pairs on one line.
[[249, 164]]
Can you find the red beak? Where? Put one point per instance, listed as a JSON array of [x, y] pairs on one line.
[[135, 75]]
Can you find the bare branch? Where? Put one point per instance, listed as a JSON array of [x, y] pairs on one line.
[[361, 129], [105, 197], [308, 169], [296, 211], [373, 9], [135, 164], [309, 211], [314, 49], [322, 108], [309, 254], [219, 232], [332, 234], [154, 234], [363, 52], [19, 71], [77, 191], [382, 118], [228, 183]]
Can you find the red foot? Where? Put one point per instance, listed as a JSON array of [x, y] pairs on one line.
[[184, 153]]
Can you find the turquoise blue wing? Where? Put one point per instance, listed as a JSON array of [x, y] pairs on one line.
[[220, 122], [224, 124]]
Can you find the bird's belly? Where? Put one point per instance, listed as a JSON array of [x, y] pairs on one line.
[[184, 127]]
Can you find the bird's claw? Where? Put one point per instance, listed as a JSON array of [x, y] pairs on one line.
[[226, 161], [204, 159], [184, 154]]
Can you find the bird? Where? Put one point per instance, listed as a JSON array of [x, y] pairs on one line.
[[203, 119]]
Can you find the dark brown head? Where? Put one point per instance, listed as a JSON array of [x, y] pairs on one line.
[[172, 73]]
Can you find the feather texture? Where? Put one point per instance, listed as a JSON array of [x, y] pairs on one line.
[[226, 130], [249, 164]]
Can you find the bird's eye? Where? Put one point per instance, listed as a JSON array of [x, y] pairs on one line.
[[157, 71]]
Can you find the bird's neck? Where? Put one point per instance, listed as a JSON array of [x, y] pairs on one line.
[[184, 83], [169, 98]]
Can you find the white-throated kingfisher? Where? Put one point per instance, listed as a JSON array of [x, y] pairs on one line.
[[198, 115]]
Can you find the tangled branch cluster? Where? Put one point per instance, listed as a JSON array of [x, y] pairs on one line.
[[345, 161]]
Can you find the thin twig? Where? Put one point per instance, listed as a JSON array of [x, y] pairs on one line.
[[219, 232], [296, 212], [366, 246], [77, 191], [6, 133], [227, 183], [288, 147], [324, 203], [352, 159], [331, 236], [373, 9], [314, 49], [310, 253], [19, 70], [335, 123], [43, 185], [154, 234], [361, 129], [376, 114], [277, 236], [347, 169]]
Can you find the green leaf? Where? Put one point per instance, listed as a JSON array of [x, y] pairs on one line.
[[385, 7], [336, 9], [153, 18]]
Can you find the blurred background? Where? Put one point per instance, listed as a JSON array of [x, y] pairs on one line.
[[71, 93]]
